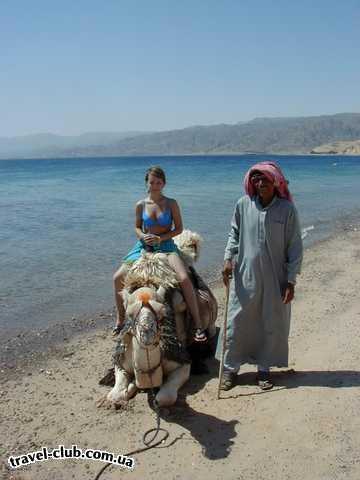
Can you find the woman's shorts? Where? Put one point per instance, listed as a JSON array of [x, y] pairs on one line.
[[167, 246]]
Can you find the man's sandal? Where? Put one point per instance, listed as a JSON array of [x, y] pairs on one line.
[[264, 381], [228, 380], [200, 335]]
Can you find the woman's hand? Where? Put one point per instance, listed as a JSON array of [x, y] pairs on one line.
[[227, 272], [151, 239]]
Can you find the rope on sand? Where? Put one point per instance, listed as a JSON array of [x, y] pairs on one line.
[[148, 443]]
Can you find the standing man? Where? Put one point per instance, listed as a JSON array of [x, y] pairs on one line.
[[262, 258]]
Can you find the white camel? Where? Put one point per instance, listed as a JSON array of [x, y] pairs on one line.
[[152, 347]]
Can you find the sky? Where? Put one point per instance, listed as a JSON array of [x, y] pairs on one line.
[[70, 67]]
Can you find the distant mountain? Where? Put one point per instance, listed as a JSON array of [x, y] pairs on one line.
[[49, 144], [261, 135]]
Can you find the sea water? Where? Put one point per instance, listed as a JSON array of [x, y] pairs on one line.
[[65, 224]]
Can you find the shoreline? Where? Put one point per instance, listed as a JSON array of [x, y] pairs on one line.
[[345, 222], [63, 272]]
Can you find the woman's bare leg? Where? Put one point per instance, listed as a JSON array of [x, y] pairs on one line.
[[187, 289], [119, 278]]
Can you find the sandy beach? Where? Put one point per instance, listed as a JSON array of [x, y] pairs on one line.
[[306, 428]]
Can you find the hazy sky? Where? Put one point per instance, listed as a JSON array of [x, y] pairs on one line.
[[72, 66]]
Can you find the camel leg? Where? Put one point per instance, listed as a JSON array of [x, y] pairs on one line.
[[124, 387], [177, 376]]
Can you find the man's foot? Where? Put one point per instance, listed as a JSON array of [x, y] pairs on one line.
[[200, 335], [228, 380], [117, 330], [264, 381]]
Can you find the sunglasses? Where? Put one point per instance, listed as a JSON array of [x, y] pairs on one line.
[[256, 179]]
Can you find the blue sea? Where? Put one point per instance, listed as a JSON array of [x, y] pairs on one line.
[[67, 223]]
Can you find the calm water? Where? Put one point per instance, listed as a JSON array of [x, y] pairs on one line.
[[65, 224]]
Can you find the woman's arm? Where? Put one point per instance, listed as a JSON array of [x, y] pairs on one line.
[[178, 226], [138, 221]]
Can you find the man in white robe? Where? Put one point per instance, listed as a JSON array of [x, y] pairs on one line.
[[262, 258]]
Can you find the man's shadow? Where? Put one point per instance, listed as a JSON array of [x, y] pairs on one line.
[[290, 378], [317, 378]]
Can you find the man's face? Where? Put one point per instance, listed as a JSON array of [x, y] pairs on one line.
[[263, 186]]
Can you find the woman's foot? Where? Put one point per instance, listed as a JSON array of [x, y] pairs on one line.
[[200, 335], [117, 330]]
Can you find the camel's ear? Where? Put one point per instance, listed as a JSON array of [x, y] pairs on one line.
[[158, 308], [196, 240], [160, 293], [133, 309], [194, 246]]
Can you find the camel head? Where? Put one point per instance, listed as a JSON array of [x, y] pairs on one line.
[[189, 244], [145, 310]]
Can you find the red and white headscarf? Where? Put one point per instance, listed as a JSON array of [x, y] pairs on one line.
[[273, 173]]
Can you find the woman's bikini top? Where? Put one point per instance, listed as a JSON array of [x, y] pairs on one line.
[[165, 218]]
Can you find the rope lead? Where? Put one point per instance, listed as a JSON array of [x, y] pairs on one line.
[[148, 443]]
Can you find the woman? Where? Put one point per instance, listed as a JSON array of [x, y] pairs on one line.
[[157, 221]]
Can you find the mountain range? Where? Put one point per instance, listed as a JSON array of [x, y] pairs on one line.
[[261, 135]]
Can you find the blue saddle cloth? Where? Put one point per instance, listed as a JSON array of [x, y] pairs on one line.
[[167, 246]]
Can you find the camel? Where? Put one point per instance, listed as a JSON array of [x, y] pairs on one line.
[[152, 348]]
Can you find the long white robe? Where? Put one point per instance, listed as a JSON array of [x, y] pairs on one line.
[[265, 244]]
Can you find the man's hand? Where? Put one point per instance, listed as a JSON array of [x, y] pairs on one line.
[[227, 272], [288, 293]]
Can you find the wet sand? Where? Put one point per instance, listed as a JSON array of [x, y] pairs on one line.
[[306, 428]]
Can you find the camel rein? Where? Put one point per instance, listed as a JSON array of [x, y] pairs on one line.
[[149, 443]]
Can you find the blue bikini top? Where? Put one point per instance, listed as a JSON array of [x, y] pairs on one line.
[[163, 220]]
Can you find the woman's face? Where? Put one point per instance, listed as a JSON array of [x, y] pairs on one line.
[[154, 183]]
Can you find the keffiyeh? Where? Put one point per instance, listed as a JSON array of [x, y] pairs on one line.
[[272, 171]]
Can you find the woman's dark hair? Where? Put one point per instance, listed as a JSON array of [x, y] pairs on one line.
[[157, 172]]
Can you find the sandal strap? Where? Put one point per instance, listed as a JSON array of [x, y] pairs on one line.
[[265, 384], [200, 335]]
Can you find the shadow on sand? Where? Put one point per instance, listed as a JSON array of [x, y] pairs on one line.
[[317, 378], [289, 379], [213, 434], [216, 436]]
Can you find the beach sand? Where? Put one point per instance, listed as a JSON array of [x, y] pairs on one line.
[[307, 427]]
